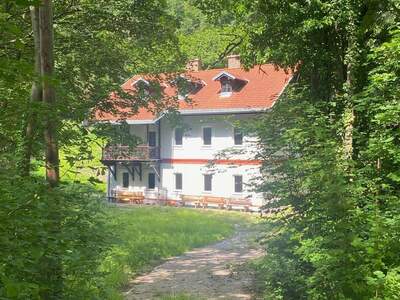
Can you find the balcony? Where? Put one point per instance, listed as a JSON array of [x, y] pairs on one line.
[[130, 153]]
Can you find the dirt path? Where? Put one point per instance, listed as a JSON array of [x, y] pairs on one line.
[[212, 272]]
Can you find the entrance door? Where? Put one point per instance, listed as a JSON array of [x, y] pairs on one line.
[[152, 139]]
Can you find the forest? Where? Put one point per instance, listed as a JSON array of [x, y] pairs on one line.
[[330, 147]]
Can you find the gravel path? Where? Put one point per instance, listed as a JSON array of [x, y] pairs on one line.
[[212, 272]]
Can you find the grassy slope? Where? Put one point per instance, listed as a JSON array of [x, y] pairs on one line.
[[148, 234]]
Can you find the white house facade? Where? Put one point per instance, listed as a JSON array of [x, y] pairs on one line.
[[205, 154]]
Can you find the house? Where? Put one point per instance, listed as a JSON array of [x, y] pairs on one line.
[[185, 160]]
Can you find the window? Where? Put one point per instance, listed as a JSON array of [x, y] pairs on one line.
[[207, 182], [207, 133], [143, 89], [152, 138], [178, 181], [226, 87], [152, 181], [238, 136], [238, 183], [125, 179], [178, 136], [183, 86]]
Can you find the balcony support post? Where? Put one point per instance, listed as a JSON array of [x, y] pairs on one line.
[[138, 169], [113, 171]]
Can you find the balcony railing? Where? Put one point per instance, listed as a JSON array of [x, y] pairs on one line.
[[130, 153]]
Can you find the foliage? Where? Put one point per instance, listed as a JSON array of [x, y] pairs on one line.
[[99, 247], [29, 237], [200, 38], [330, 146], [97, 45]]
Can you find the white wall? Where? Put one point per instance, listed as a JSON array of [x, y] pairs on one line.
[[193, 148], [222, 182]]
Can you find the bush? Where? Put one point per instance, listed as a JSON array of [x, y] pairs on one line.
[[46, 233]]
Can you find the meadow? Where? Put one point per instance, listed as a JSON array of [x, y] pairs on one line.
[[144, 236]]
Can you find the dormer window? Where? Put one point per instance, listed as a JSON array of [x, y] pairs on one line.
[[186, 86], [142, 87], [229, 83], [226, 88]]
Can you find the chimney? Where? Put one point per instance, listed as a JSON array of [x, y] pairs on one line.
[[233, 61], [194, 65]]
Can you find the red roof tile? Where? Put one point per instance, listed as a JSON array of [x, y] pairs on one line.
[[264, 85]]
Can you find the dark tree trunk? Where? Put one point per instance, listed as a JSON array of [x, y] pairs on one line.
[[47, 66], [51, 264], [36, 96]]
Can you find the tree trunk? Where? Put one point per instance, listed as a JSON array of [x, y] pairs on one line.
[[47, 66], [36, 96], [51, 263]]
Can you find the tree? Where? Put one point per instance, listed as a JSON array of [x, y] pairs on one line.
[[334, 233], [50, 245]]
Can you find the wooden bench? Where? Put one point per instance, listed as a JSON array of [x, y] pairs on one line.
[[193, 200], [220, 201], [241, 202], [129, 197]]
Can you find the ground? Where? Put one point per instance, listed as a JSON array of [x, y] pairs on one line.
[[213, 272]]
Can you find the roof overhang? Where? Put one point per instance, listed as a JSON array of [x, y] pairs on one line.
[[140, 79], [188, 112], [224, 74], [132, 122]]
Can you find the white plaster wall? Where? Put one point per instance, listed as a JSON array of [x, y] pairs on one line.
[[222, 183], [193, 148]]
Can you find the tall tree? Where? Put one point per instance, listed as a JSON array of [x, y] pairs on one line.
[[48, 94], [334, 235]]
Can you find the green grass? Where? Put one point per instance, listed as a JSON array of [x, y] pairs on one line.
[[146, 235]]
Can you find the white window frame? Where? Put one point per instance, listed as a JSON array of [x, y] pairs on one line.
[[223, 93]]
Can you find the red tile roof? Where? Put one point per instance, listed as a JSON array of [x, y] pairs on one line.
[[263, 86]]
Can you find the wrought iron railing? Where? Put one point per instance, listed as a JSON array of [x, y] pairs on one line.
[[122, 152]]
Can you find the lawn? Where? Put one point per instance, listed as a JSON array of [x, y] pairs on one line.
[[146, 235]]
